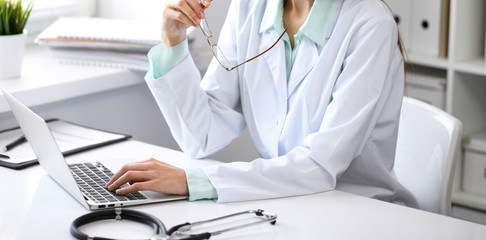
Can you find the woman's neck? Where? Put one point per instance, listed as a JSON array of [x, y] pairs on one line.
[[294, 16], [300, 6]]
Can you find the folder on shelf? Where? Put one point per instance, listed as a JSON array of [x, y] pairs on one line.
[[444, 29], [71, 138], [402, 11], [424, 25], [429, 29]]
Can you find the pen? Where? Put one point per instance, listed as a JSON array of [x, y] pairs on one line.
[[13, 144]]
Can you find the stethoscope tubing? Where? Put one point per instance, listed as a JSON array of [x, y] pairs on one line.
[[118, 214]]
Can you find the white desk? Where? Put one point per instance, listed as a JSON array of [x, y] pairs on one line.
[[45, 81], [30, 209]]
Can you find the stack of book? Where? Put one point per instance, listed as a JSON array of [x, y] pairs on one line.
[[101, 42]]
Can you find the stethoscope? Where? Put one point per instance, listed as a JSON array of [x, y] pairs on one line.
[[160, 232]]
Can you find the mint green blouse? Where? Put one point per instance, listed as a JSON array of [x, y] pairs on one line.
[[315, 28]]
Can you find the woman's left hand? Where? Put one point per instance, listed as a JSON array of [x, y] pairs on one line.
[[151, 175]]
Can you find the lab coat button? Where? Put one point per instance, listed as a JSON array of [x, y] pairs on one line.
[[276, 122]]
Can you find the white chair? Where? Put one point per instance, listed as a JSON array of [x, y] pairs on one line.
[[427, 150]]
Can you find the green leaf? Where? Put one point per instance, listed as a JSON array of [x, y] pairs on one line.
[[25, 16], [1, 20], [13, 16], [8, 11]]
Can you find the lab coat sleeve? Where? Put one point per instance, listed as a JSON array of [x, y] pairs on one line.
[[163, 60], [203, 116], [199, 185], [364, 84]]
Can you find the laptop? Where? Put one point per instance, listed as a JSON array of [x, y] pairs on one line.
[[84, 181]]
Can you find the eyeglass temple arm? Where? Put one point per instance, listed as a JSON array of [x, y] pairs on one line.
[[229, 69]]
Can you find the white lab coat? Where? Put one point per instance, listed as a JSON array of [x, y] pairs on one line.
[[332, 126]]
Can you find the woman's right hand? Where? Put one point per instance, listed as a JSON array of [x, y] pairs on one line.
[[177, 16]]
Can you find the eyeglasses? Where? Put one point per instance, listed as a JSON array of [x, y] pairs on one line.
[[218, 54]]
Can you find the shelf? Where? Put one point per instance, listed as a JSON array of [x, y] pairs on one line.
[[427, 61], [474, 66], [469, 199]]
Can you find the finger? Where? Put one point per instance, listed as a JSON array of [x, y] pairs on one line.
[[138, 186], [137, 166], [117, 175], [197, 8], [130, 176], [179, 16], [169, 187], [183, 7], [205, 3]]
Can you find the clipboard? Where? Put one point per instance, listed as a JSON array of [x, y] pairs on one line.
[[71, 138]]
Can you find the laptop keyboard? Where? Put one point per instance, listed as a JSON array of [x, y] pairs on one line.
[[92, 177]]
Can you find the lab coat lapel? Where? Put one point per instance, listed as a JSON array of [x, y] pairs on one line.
[[275, 59], [275, 64], [305, 61]]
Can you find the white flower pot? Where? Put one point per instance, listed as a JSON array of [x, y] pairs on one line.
[[12, 48]]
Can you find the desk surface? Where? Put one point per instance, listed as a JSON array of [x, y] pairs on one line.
[[43, 80], [31, 213]]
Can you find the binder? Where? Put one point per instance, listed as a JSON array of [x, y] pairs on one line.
[[427, 36], [444, 29], [402, 12], [71, 138]]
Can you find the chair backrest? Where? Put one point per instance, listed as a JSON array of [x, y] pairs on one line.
[[427, 150]]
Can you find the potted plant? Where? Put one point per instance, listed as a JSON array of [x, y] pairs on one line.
[[13, 36]]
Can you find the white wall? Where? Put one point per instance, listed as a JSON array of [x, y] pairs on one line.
[[151, 10]]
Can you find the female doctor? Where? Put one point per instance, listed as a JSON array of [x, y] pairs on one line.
[[321, 101]]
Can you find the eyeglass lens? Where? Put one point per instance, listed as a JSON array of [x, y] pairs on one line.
[[205, 28], [214, 46], [220, 56]]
